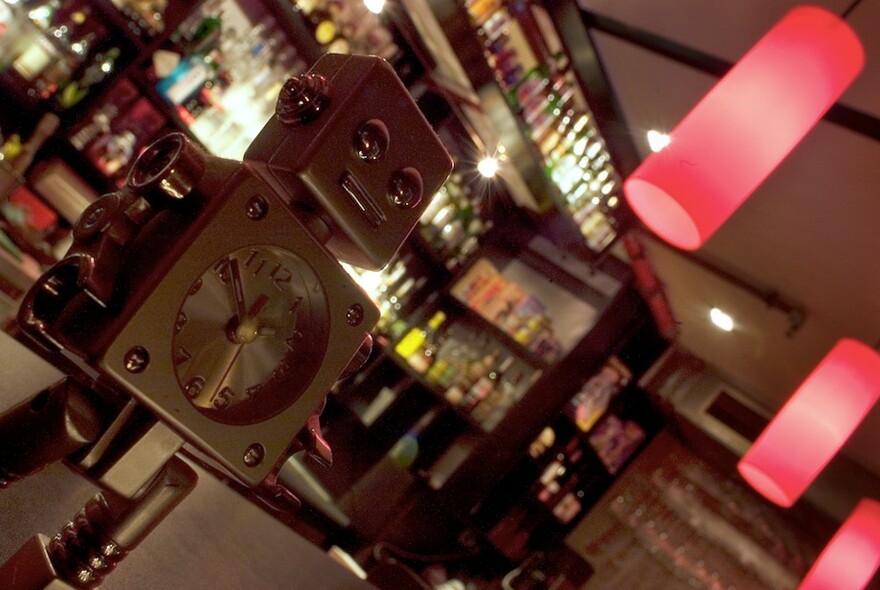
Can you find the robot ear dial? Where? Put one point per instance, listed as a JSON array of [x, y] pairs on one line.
[[170, 168]]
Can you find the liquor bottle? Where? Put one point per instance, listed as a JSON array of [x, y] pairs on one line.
[[76, 90], [22, 28], [554, 480], [413, 345], [46, 126], [476, 382], [493, 405], [569, 506], [461, 360], [66, 46], [19, 158], [321, 23], [422, 359], [477, 397], [537, 80], [482, 10], [494, 26], [452, 357]]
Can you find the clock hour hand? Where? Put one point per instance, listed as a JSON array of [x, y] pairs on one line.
[[237, 290], [248, 329]]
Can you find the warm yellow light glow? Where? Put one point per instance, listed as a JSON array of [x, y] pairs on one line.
[[488, 167], [657, 140], [374, 6], [721, 319]]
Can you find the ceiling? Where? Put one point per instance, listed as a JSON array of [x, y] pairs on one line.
[[810, 233]]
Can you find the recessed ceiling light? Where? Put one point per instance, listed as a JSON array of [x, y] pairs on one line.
[[375, 6], [657, 140], [488, 167], [722, 320]]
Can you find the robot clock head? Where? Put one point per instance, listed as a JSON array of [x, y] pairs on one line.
[[211, 289], [248, 332], [352, 133]]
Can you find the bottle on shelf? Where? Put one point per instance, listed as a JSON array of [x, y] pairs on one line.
[[491, 372], [77, 88], [450, 358], [147, 19], [560, 477], [16, 164], [323, 26], [569, 505], [543, 92], [482, 10], [462, 392], [22, 31], [454, 222], [422, 359], [223, 81], [509, 389], [419, 346], [29, 223], [49, 44]]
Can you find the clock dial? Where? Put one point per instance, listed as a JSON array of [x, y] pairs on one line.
[[250, 335]]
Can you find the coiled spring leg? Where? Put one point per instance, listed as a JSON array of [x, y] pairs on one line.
[[98, 537]]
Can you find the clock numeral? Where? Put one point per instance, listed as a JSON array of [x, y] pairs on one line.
[[295, 338], [180, 323], [223, 398], [294, 307], [280, 276], [194, 387], [251, 255], [223, 271], [281, 369], [257, 269], [195, 287], [253, 391], [181, 355]]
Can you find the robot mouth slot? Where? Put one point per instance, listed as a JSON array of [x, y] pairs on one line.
[[368, 207]]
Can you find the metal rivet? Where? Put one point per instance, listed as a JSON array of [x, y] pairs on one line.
[[254, 455], [371, 140], [355, 314], [257, 207], [405, 188], [137, 359]]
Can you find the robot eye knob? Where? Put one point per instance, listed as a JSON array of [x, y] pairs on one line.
[[406, 188], [371, 140]]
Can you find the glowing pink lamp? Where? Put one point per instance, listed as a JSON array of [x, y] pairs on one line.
[[852, 556], [814, 424], [744, 127]]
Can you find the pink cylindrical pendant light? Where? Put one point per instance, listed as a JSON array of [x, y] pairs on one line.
[[814, 424], [744, 127], [852, 556]]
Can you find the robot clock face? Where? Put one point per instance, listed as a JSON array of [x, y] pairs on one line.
[[246, 334]]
